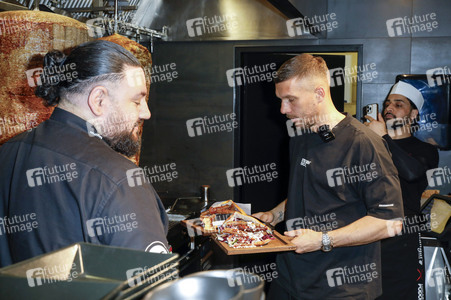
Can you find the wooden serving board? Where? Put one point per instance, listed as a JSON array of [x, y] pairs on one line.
[[278, 244]]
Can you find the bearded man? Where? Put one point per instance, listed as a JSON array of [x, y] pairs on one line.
[[69, 180], [412, 158]]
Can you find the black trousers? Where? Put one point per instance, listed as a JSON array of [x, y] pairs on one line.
[[401, 271]]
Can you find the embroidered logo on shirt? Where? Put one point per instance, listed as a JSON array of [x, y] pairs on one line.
[[305, 162], [157, 247]]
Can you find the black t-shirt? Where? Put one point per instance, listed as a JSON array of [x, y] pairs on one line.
[[332, 185], [59, 185], [412, 158]]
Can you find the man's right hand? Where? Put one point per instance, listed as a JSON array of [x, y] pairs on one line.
[[266, 216], [378, 126]]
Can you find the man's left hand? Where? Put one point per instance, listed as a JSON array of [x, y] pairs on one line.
[[306, 240], [378, 126]]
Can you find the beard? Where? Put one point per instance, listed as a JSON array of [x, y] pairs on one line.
[[388, 116], [124, 143], [405, 120]]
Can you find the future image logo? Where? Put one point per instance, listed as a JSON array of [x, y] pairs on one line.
[[35, 177], [15, 24], [135, 177], [337, 77], [34, 77], [306, 25], [53, 174], [352, 174], [211, 124], [396, 127], [248, 175], [235, 177], [235, 77], [438, 76], [210, 25], [194, 227], [412, 224], [438, 278], [438, 176], [235, 277], [351, 275], [335, 277], [18, 223], [251, 74], [251, 275], [13, 125], [320, 223], [162, 73], [300, 126], [392, 227], [156, 173], [405, 25], [51, 75], [148, 275], [35, 277], [297, 27], [349, 75], [195, 127], [51, 274], [133, 273], [107, 225]]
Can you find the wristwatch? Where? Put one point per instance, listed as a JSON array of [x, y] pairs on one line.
[[327, 244]]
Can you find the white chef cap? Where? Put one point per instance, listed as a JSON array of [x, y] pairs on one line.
[[410, 92]]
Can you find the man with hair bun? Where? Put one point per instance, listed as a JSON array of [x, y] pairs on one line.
[[412, 157], [343, 263], [92, 130]]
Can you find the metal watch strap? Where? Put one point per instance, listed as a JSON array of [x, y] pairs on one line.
[[327, 244]]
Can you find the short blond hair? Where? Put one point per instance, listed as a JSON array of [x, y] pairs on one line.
[[303, 66]]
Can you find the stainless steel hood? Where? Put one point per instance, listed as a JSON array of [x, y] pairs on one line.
[[221, 19], [188, 20]]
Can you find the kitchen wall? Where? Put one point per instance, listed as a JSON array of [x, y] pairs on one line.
[[200, 63]]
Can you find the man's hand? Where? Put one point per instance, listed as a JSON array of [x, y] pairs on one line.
[[273, 216], [306, 240], [266, 216], [378, 126], [363, 231]]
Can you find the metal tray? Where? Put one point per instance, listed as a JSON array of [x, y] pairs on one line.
[[85, 271]]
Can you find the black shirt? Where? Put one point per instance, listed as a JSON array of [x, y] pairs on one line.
[[60, 185], [332, 185], [412, 158]]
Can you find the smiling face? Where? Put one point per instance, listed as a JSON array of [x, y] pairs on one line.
[[128, 109], [298, 101]]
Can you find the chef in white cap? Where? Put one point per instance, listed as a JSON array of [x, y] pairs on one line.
[[412, 158], [400, 110]]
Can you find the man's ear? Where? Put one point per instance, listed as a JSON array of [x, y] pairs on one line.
[[97, 100], [320, 93], [413, 114]]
